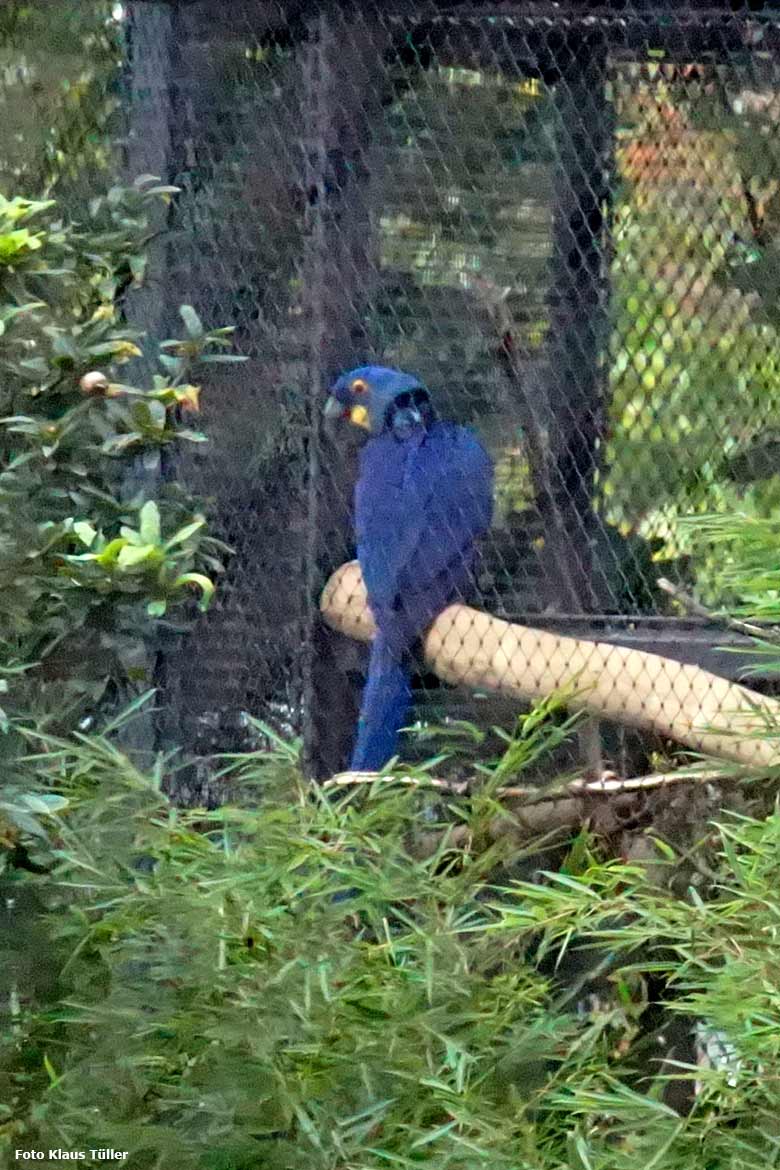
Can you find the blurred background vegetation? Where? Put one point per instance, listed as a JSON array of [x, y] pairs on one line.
[[60, 69], [693, 358]]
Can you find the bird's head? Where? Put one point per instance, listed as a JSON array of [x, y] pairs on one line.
[[381, 400]]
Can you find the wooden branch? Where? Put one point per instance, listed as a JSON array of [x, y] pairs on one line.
[[682, 702], [608, 785], [548, 817], [605, 804], [350, 779], [765, 634]]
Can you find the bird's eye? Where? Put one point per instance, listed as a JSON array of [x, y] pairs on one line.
[[359, 386], [404, 400]]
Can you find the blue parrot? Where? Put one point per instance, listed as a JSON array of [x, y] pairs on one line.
[[424, 494]]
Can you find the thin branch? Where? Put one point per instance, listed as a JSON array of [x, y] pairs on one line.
[[607, 785], [766, 634], [345, 779], [544, 815]]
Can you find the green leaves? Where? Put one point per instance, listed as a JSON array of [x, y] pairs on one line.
[[694, 372], [76, 553], [19, 245], [17, 210], [192, 323], [139, 557], [149, 524], [746, 572], [177, 357], [29, 811], [16, 246], [294, 986], [85, 532]]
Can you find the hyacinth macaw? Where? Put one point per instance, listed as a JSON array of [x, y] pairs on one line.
[[424, 494]]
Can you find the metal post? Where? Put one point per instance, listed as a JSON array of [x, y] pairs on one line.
[[579, 333], [579, 322], [345, 93], [318, 95], [148, 149]]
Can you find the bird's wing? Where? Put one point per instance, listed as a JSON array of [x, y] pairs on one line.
[[386, 502], [419, 507], [459, 474]]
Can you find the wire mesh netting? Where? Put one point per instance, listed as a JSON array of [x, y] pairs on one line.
[[564, 222]]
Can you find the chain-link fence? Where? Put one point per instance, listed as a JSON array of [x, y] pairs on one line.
[[564, 221]]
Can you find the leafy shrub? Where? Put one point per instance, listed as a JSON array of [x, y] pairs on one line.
[[87, 562], [298, 987]]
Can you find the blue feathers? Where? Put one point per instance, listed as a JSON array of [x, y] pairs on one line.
[[419, 504], [424, 494], [386, 700]]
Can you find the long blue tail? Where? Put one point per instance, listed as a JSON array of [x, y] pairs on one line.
[[386, 700]]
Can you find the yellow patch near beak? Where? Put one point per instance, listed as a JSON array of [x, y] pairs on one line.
[[359, 416]]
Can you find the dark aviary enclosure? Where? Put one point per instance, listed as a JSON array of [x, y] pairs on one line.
[[562, 217]]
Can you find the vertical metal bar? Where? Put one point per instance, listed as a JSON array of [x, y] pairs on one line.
[[579, 332], [148, 149], [317, 102], [345, 108], [578, 322]]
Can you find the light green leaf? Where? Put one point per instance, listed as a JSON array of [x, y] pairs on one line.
[[192, 322], [203, 583], [433, 1135], [25, 822], [186, 532], [44, 803], [130, 535], [85, 532], [172, 364], [111, 552], [115, 444], [136, 554], [149, 526]]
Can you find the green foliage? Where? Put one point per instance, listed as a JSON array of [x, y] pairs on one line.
[[88, 562], [21, 813], [138, 556], [694, 378], [475, 147], [298, 986], [59, 68], [745, 577], [680, 371]]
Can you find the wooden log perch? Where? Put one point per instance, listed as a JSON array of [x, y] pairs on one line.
[[466, 647]]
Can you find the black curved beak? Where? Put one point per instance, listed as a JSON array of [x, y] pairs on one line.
[[332, 408]]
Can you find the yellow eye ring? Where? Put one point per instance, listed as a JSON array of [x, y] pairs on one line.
[[359, 386]]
